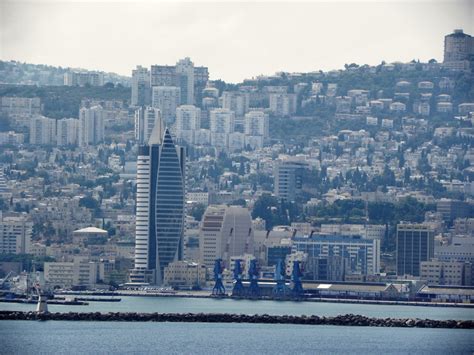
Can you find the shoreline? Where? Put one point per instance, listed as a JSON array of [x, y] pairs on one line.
[[340, 320]]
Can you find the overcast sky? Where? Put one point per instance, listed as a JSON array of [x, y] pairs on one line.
[[235, 40]]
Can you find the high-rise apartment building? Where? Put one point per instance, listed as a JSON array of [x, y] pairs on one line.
[[188, 120], [415, 244], [67, 131], [458, 50], [146, 118], [160, 206], [236, 101], [226, 231], [167, 99], [42, 130], [91, 125], [222, 123], [141, 91], [256, 128], [190, 79], [283, 104], [15, 234]]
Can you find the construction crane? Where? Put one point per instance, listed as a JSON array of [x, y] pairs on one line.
[[238, 289], [219, 289], [5, 280]]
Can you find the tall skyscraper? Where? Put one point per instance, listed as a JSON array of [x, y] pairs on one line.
[[141, 91], [91, 125], [160, 206], [167, 99], [415, 243], [145, 120], [188, 120]]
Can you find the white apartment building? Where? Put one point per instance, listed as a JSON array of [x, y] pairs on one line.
[[42, 130], [15, 234], [283, 104], [67, 132], [145, 120], [236, 101], [79, 272], [222, 123], [188, 120], [167, 99], [91, 125]]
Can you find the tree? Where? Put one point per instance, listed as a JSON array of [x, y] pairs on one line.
[[197, 211]]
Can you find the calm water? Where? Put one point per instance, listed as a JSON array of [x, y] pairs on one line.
[[25, 337], [207, 305]]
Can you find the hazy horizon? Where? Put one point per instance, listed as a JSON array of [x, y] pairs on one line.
[[235, 40]]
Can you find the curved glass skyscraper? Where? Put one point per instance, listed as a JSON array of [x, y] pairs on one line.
[[160, 206]]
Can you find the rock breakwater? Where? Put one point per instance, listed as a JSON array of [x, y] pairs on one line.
[[342, 320]]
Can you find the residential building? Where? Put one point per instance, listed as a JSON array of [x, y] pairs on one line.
[[91, 126], [458, 49], [236, 101], [221, 125], [188, 120], [67, 132], [146, 118], [167, 99], [415, 244], [15, 234], [42, 131], [73, 78], [141, 91], [283, 104]]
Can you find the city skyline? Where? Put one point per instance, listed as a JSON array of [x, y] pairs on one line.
[[216, 38]]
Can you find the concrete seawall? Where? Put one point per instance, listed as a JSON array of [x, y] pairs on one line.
[[343, 320]]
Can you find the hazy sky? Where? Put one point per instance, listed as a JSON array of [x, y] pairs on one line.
[[236, 40]]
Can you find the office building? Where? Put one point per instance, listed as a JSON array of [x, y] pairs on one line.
[[160, 204], [141, 91], [188, 120], [166, 99], [225, 231], [146, 118], [458, 49], [42, 130], [185, 275], [359, 256], [15, 234], [453, 273], [67, 132], [79, 272], [452, 209], [415, 243], [288, 174]]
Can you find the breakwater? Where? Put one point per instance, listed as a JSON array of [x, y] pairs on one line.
[[342, 320]]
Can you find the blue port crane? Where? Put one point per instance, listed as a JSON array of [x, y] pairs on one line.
[[297, 289], [238, 289], [280, 289], [219, 289], [253, 289]]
